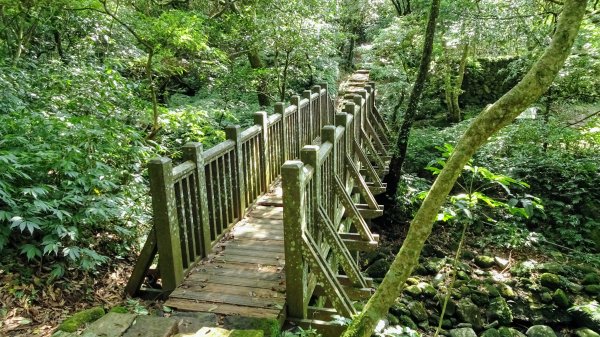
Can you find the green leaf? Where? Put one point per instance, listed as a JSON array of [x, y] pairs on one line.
[[30, 251]]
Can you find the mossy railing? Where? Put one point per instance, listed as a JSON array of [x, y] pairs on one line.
[[327, 206], [196, 203]]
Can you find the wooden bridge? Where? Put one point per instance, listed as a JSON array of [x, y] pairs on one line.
[[268, 223]]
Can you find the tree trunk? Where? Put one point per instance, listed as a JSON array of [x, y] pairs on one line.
[[453, 88], [492, 119], [261, 88], [413, 103]]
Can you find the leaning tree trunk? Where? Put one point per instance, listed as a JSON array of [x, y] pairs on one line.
[[413, 103], [492, 119], [261, 88]]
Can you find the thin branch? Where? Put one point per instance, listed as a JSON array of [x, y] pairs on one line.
[[583, 119]]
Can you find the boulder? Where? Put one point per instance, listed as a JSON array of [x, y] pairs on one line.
[[427, 289], [506, 291], [499, 310], [484, 261], [550, 280], [463, 332], [407, 322], [414, 291], [591, 278], [468, 312], [561, 299], [540, 331], [592, 289], [378, 269], [510, 332], [418, 311], [491, 333]]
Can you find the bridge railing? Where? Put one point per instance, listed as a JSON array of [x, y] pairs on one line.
[[325, 220], [195, 203]]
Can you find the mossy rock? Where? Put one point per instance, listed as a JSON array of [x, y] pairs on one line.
[[490, 333], [378, 269], [540, 331], [76, 321], [491, 290], [506, 291], [412, 281], [463, 332], [407, 322], [546, 297], [561, 299], [220, 332], [468, 312], [591, 278], [550, 280], [467, 255], [462, 275], [418, 311], [480, 298], [510, 332], [484, 261], [592, 289], [269, 327], [500, 311], [119, 310], [414, 291], [398, 309], [427, 289], [553, 267], [393, 320]]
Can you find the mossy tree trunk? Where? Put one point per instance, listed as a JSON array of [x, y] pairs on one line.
[[452, 86], [413, 103], [261, 88], [492, 119]]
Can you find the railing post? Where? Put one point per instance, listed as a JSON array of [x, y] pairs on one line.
[[358, 101], [193, 152], [294, 223], [316, 115], [325, 118], [349, 108], [310, 156], [310, 132], [164, 210], [233, 132], [295, 100], [261, 119], [280, 109]]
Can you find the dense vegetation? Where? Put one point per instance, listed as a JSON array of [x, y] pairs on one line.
[[91, 90]]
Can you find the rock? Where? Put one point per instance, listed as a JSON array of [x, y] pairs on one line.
[[412, 281], [152, 326], [269, 327], [552, 267], [427, 289], [506, 291], [561, 299], [433, 265], [393, 319], [190, 322], [550, 280], [499, 310], [467, 255], [501, 262], [591, 278], [585, 332], [450, 307], [378, 268], [546, 297], [484, 261], [480, 298], [219, 332], [438, 279], [414, 291], [540, 331], [491, 290], [73, 323], [446, 323], [510, 332], [462, 275], [463, 332], [490, 333], [468, 312], [593, 289], [407, 322], [398, 309], [418, 312]]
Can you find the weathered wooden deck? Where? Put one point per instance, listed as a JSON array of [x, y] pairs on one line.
[[245, 274]]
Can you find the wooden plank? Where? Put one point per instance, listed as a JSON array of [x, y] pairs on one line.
[[361, 245], [142, 265], [257, 252], [266, 212], [345, 281], [249, 259], [270, 273], [109, 325], [231, 290], [355, 294], [224, 309], [259, 235], [242, 300], [266, 245], [236, 281]]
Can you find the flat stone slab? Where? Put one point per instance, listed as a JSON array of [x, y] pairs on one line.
[[110, 325], [191, 322], [145, 326]]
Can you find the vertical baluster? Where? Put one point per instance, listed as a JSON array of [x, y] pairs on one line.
[[210, 186], [310, 156], [166, 225], [189, 225], [297, 127], [328, 135], [308, 120], [261, 119], [179, 201], [233, 133], [218, 196]]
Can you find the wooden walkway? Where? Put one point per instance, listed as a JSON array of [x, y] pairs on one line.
[[245, 274]]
